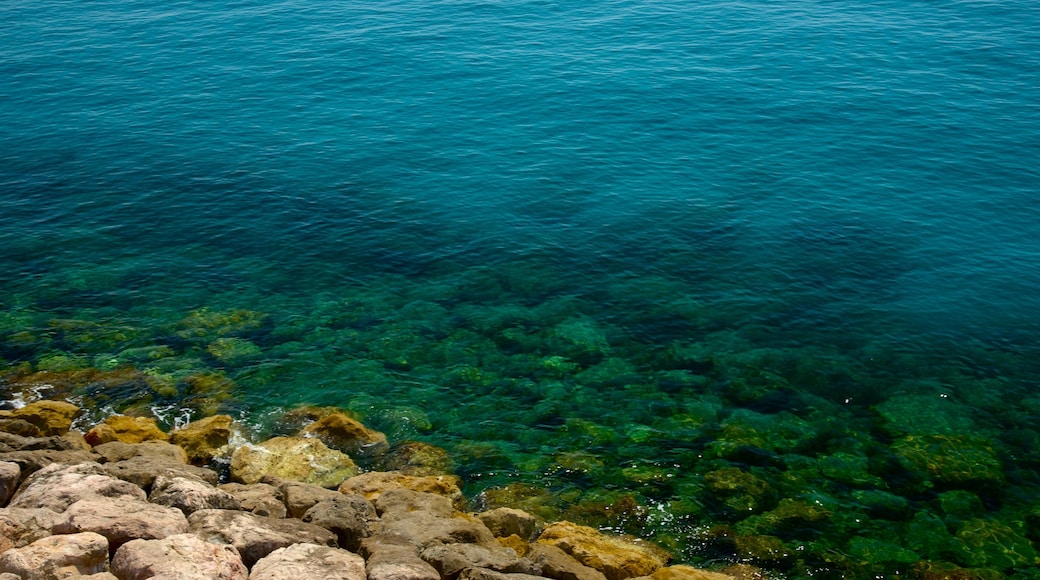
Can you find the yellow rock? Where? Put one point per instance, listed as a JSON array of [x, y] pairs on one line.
[[687, 573], [204, 439], [372, 485], [293, 458], [340, 432], [50, 417], [126, 430], [616, 557]]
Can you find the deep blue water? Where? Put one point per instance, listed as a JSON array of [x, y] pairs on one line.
[[808, 211]]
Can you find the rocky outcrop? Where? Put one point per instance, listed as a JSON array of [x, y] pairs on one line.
[[178, 556], [309, 561], [297, 459], [348, 516]]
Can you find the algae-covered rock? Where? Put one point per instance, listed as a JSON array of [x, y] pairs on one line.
[[740, 491], [951, 460], [791, 517], [206, 323], [297, 459], [233, 351], [615, 556], [959, 505], [883, 504], [878, 551], [343, 433], [125, 429], [762, 549], [49, 417], [993, 544], [850, 468], [204, 439], [418, 458], [579, 339], [925, 415]]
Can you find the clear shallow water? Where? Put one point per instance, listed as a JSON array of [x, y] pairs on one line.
[[612, 249]]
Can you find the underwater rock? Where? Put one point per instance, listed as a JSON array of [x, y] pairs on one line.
[[233, 351], [342, 433], [125, 429], [210, 324], [204, 439], [850, 468], [791, 517], [993, 544], [951, 460], [924, 415], [740, 491], [418, 458], [49, 417], [306, 460], [616, 557], [878, 551]]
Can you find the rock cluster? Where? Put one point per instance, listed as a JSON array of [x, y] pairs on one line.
[[124, 502]]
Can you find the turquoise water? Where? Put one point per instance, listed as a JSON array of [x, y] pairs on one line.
[[757, 280]]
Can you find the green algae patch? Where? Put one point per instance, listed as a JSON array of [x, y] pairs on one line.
[[951, 460], [211, 324], [992, 544], [233, 351]]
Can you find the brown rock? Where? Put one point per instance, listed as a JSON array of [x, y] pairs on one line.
[[121, 521], [14, 442], [190, 495], [559, 565], [115, 451], [300, 497], [451, 559], [125, 429], [178, 556], [505, 522], [259, 498], [342, 433], [142, 470], [58, 557], [616, 557], [10, 475], [49, 417], [426, 520], [485, 574], [32, 461], [418, 458], [298, 459], [255, 536], [19, 427], [309, 561], [21, 526], [58, 486], [348, 516], [391, 558], [203, 439], [687, 573], [403, 501], [373, 484]]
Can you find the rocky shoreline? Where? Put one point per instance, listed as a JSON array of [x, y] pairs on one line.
[[129, 501]]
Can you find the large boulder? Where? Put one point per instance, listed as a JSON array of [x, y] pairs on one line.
[[426, 519], [115, 451], [49, 417], [125, 429], [554, 563], [388, 557], [300, 497], [295, 458], [204, 439], [190, 495], [58, 486], [616, 557], [10, 474], [505, 522], [178, 556], [451, 559], [309, 561], [374, 484], [342, 433], [142, 470], [262, 499], [32, 461], [20, 526], [121, 521], [255, 536], [57, 557], [418, 458], [348, 516], [689, 573]]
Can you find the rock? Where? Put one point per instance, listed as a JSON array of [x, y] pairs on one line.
[[951, 460], [348, 516], [14, 442], [49, 417], [687, 573], [505, 522], [306, 460], [485, 574], [426, 520], [23, 526], [417, 458], [32, 461], [58, 486], [395, 502], [178, 556], [19, 427], [142, 470], [125, 429], [115, 451], [58, 557], [255, 536], [391, 558], [10, 475], [121, 520], [342, 433], [204, 439], [309, 561], [372, 485], [300, 497], [261, 499], [190, 495], [451, 559], [554, 563], [992, 544], [616, 557]]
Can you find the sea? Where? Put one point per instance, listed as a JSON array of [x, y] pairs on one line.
[[755, 280]]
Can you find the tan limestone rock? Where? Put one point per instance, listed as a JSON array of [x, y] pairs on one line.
[[294, 458], [680, 572], [505, 522], [418, 458], [49, 417], [616, 557], [10, 475], [178, 556], [342, 433], [261, 499], [23, 526], [255, 536], [58, 486], [203, 439], [372, 485], [125, 429], [121, 521], [559, 565], [309, 561], [58, 557], [190, 495], [114, 451]]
